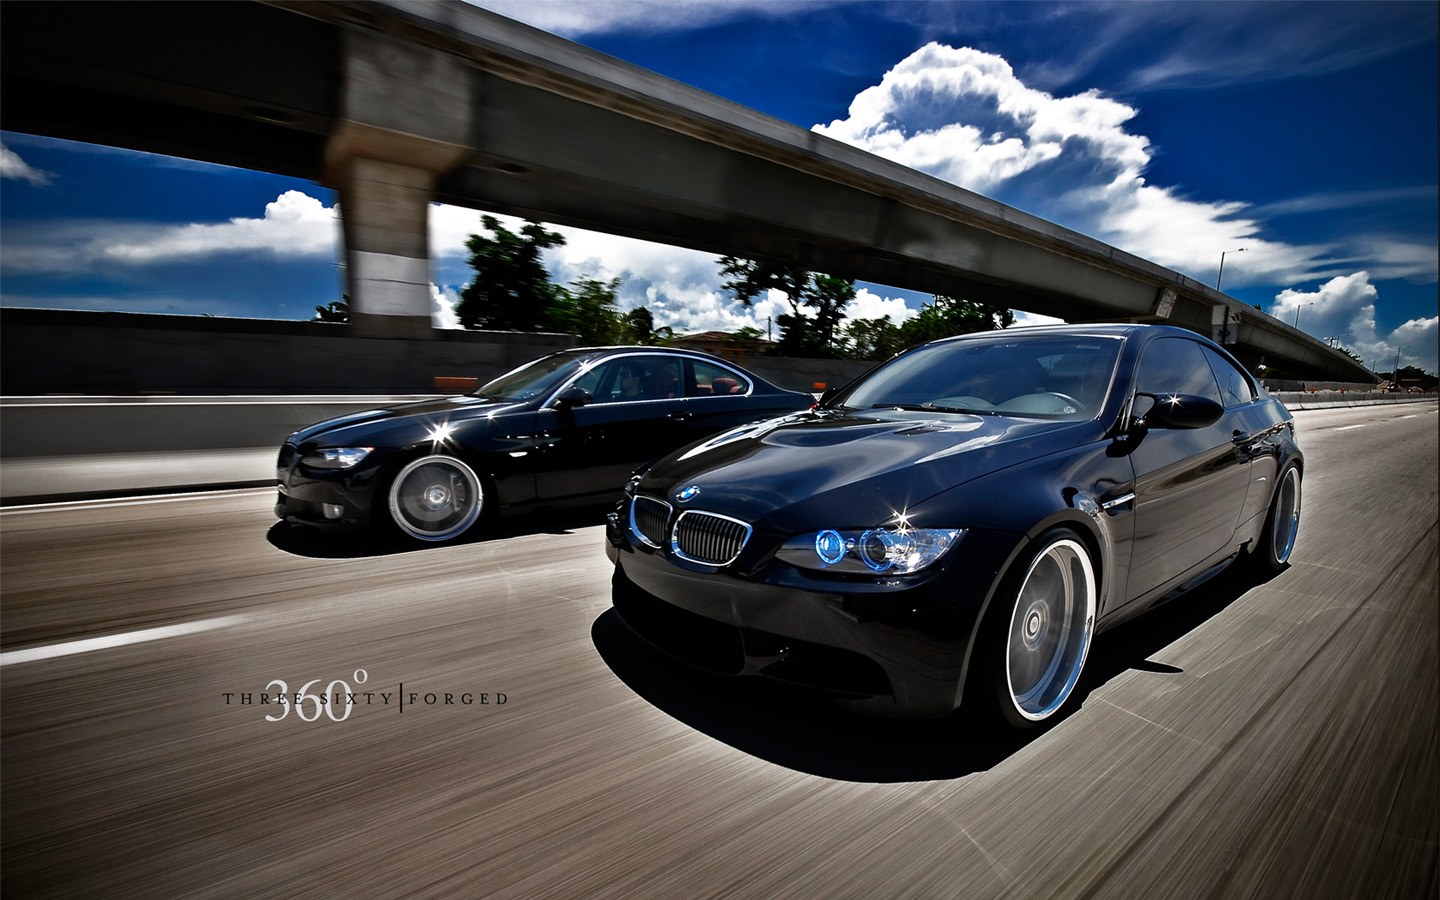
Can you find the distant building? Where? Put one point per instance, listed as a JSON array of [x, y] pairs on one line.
[[723, 344]]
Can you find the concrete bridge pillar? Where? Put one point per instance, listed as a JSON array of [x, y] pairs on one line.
[[406, 121]]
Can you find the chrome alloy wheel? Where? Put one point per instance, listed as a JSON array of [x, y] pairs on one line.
[[1285, 519], [1050, 630], [435, 498], [1271, 552]]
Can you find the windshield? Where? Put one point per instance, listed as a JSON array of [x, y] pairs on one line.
[[531, 380], [1048, 376]]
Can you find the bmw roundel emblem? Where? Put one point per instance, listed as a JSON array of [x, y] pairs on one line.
[[690, 493]]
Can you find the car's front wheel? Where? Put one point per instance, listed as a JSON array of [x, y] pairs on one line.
[[1042, 630], [435, 498]]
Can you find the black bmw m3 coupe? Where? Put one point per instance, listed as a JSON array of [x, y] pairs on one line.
[[959, 523]]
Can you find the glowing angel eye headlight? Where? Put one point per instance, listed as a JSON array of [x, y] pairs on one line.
[[336, 457], [897, 551]]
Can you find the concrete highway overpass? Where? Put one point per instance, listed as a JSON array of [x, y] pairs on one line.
[[397, 104]]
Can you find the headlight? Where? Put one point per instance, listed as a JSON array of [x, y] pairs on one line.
[[336, 458], [898, 551]]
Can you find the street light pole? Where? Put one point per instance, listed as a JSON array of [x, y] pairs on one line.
[[1221, 273], [1297, 312]]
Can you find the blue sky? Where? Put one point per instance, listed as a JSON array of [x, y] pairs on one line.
[[1304, 132]]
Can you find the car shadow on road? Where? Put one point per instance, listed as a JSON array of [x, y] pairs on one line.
[[799, 730], [300, 540], [1128, 647]]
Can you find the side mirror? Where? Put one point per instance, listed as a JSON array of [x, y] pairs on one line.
[[1181, 411], [573, 397], [827, 395]]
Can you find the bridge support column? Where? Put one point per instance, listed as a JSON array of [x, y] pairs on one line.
[[406, 121], [384, 213]]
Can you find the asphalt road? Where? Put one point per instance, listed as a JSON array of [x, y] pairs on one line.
[[1274, 739]]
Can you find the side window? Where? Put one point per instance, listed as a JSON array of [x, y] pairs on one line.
[[711, 380], [618, 380], [1235, 385], [662, 378], [1176, 366]]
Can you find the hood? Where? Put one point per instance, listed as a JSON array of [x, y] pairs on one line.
[[850, 469], [357, 427]]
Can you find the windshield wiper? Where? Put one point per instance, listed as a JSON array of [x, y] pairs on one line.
[[927, 407]]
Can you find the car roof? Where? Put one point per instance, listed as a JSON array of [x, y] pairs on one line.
[[1092, 329], [594, 352]]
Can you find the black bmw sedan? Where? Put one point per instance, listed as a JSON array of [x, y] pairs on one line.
[[960, 522], [566, 428]]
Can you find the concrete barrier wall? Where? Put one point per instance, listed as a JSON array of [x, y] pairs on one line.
[[33, 427], [1339, 399], [86, 383], [48, 352], [107, 354]]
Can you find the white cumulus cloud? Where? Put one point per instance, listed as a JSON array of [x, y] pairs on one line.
[[964, 116], [1344, 308], [442, 308], [12, 166], [573, 20], [294, 224]]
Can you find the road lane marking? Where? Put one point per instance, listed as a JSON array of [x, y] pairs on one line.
[[50, 651], [134, 501], [1348, 427]]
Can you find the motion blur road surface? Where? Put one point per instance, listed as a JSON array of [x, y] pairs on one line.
[[1252, 739]]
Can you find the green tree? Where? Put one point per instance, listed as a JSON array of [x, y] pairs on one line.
[[800, 334], [941, 317], [1412, 374], [638, 327], [512, 289], [829, 296], [946, 317], [870, 339], [748, 279], [588, 310], [336, 311]]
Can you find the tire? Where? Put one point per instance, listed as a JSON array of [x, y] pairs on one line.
[[435, 498], [1040, 630], [1282, 524]]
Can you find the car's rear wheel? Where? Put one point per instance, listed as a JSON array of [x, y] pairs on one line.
[[435, 498], [1045, 623], [1282, 524]]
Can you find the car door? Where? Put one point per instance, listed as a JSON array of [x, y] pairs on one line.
[[1190, 483], [1254, 434], [636, 412], [720, 398]]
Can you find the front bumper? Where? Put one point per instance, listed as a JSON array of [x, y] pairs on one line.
[[340, 499], [895, 646]]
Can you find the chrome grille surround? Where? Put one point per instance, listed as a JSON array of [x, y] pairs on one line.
[[708, 538], [648, 518]]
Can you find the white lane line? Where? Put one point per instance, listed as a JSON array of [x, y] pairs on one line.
[[1348, 427], [133, 501], [50, 651]]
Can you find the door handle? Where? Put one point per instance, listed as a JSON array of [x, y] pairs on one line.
[[680, 415]]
